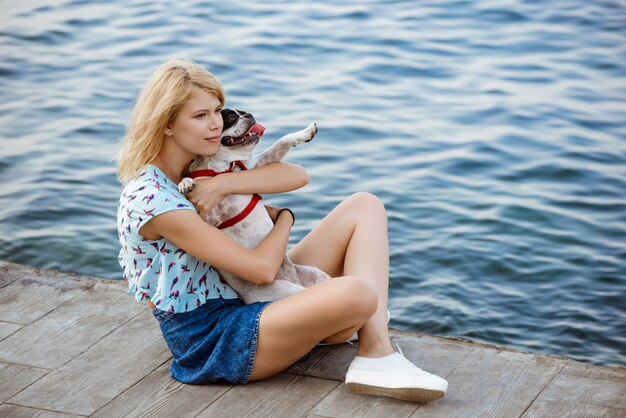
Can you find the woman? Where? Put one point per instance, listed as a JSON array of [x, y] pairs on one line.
[[169, 255]]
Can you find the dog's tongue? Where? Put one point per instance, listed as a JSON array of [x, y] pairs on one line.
[[258, 129]]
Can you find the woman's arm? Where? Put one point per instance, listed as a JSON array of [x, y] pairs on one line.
[[271, 178], [188, 231]]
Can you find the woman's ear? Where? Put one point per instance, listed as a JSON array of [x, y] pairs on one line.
[[168, 131]]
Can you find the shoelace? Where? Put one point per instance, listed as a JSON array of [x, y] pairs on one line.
[[408, 362], [400, 350]]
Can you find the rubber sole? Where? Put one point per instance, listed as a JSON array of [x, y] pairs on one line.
[[405, 394]]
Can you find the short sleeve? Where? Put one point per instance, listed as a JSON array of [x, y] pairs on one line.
[[147, 200]]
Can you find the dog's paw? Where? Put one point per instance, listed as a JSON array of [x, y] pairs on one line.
[[307, 134], [312, 131], [300, 137], [186, 185]]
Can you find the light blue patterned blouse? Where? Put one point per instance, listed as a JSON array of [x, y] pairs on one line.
[[158, 270]]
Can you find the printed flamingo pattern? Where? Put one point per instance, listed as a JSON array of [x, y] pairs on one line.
[[158, 270]]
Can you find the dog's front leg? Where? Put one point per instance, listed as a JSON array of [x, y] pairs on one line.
[[280, 148]]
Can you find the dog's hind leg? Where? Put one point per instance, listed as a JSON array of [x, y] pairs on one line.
[[288, 272]]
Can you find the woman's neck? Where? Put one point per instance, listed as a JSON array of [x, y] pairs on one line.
[[174, 170]]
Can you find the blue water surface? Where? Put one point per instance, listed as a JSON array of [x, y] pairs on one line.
[[493, 131]]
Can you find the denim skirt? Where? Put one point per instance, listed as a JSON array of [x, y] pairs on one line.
[[215, 342]]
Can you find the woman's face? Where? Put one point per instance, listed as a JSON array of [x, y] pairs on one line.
[[197, 129]]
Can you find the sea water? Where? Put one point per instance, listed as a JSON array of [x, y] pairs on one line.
[[493, 131]]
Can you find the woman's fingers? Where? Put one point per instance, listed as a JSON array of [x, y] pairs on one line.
[[206, 195]]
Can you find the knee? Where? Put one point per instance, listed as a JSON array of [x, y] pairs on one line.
[[360, 297], [368, 203]]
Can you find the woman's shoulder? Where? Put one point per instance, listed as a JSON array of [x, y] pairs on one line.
[[152, 188], [149, 178]]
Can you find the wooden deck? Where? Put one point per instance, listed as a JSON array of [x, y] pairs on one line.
[[79, 346]]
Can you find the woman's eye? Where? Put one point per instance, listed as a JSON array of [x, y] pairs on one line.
[[201, 115]]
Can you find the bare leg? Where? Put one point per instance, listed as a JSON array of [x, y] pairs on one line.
[[289, 328], [350, 241]]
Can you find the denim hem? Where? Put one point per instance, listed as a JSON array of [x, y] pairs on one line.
[[253, 345]]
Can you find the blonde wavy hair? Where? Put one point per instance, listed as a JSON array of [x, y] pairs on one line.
[[158, 104]]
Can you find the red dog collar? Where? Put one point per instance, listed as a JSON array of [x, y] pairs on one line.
[[251, 205], [211, 173]]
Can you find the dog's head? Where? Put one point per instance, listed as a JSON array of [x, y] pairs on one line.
[[240, 135]]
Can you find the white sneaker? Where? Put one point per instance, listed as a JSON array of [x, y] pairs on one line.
[[394, 376]]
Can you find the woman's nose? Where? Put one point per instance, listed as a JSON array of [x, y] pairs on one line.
[[216, 121]]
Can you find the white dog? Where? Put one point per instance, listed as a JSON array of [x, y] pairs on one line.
[[240, 216]]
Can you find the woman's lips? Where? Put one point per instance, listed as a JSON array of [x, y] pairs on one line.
[[214, 138]]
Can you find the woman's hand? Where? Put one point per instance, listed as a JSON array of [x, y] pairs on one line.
[[207, 194]]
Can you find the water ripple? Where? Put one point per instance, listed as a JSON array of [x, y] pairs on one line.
[[494, 134]]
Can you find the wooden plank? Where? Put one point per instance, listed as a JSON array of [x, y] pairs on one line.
[[14, 378], [10, 272], [328, 362], [91, 380], [71, 328], [114, 368], [492, 383], [15, 411], [37, 292], [159, 395], [344, 403], [570, 395], [598, 372], [8, 328], [280, 396], [589, 411]]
